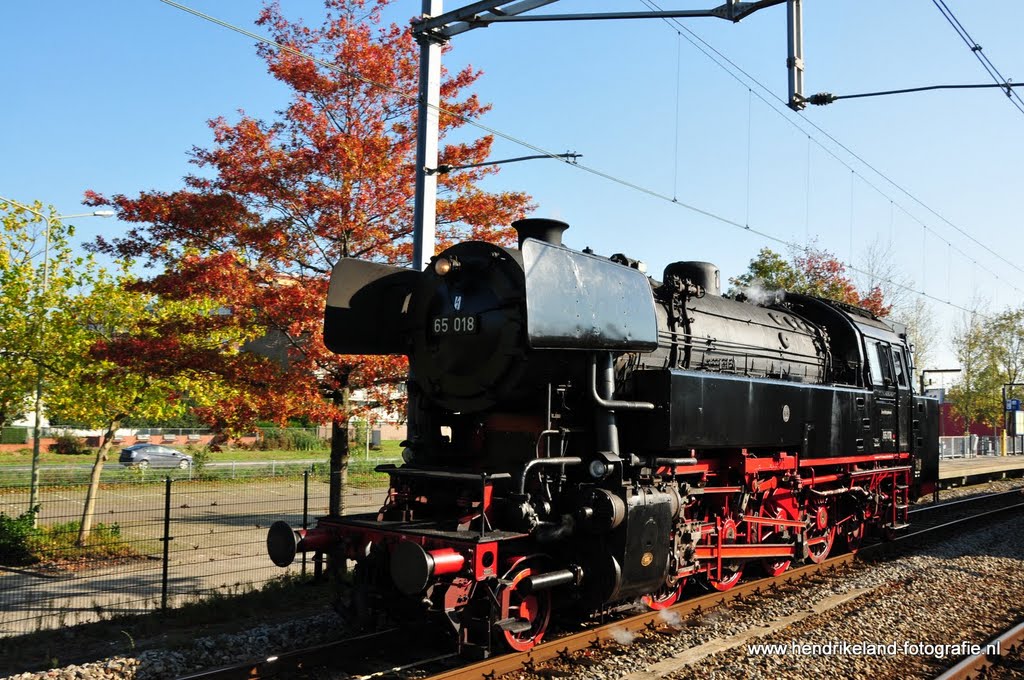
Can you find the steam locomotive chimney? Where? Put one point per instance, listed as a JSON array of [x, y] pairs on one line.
[[540, 228]]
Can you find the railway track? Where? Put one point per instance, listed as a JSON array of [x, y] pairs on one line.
[[563, 647], [357, 652], [353, 654], [995, 652]]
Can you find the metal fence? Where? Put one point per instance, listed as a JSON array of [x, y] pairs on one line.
[[157, 542], [973, 446], [71, 474]]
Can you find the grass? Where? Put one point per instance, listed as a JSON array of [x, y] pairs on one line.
[[57, 544], [75, 471], [388, 449]]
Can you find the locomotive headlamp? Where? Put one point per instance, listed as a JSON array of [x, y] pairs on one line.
[[598, 469], [444, 266]]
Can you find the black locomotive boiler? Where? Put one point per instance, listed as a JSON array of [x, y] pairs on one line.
[[582, 437]]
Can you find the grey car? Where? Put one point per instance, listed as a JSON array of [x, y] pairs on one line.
[[154, 455]]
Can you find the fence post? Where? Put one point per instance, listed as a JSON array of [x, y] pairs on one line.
[[167, 544], [305, 512]]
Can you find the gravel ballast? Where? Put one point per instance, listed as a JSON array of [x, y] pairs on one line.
[[964, 590], [958, 589]]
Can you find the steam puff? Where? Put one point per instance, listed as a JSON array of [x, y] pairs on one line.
[[757, 294], [621, 636], [671, 618]]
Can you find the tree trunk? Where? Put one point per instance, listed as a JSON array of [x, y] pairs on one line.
[[339, 451], [94, 481]]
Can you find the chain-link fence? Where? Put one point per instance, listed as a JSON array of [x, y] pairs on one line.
[[157, 541]]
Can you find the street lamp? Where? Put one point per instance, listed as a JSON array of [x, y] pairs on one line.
[[37, 429]]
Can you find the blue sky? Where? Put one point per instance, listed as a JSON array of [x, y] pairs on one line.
[[111, 95]]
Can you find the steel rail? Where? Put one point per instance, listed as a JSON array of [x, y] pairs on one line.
[[494, 667], [497, 666], [959, 501], [974, 666], [286, 664], [952, 523]]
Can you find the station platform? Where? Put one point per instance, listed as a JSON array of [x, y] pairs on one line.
[[961, 471]]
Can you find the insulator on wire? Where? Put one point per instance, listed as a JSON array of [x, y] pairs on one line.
[[822, 98]]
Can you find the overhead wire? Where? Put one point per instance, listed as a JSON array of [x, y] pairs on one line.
[[593, 171], [976, 49], [717, 58], [824, 98]]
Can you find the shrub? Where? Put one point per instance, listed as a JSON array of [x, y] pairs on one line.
[[285, 439], [13, 435], [15, 535], [57, 542], [69, 446], [200, 457]]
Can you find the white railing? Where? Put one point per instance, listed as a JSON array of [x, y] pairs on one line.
[[973, 446]]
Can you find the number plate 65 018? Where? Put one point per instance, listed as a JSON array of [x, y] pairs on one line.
[[454, 325]]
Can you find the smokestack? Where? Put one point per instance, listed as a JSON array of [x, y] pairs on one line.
[[540, 228]]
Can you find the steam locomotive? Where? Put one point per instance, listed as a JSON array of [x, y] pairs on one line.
[[583, 437]]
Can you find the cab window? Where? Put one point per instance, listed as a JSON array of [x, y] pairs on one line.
[[897, 362], [884, 352], [873, 364]]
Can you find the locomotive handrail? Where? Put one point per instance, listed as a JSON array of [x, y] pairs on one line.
[[440, 473], [662, 462], [538, 462], [612, 404]]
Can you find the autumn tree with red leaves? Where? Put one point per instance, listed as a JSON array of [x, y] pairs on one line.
[[811, 271], [278, 203]]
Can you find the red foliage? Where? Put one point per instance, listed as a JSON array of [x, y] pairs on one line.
[[279, 202], [825, 276]]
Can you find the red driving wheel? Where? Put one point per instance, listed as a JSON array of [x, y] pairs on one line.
[[531, 612]]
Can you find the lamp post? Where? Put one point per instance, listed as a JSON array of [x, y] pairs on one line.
[[48, 220]]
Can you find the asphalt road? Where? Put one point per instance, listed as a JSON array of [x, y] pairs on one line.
[[218, 534]]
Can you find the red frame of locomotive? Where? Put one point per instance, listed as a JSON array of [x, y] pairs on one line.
[[778, 483]]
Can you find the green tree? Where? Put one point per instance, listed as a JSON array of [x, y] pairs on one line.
[[769, 271], [1006, 343], [118, 364], [976, 395], [38, 274], [811, 271]]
